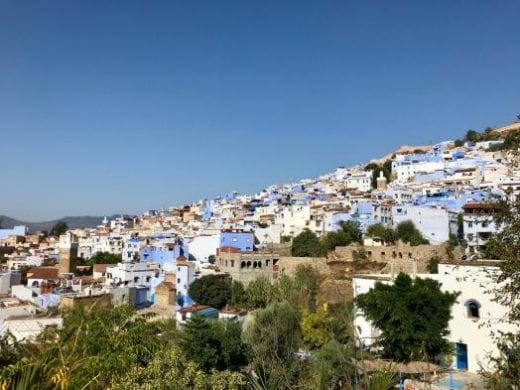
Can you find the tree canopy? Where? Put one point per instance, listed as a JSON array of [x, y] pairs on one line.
[[104, 258], [212, 290], [407, 232], [59, 228], [412, 316], [307, 244]]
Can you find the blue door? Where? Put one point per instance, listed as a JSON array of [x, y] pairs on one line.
[[461, 351]]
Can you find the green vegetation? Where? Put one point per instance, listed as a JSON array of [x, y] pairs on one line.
[[212, 290], [212, 259], [307, 244], [408, 233], [349, 233], [402, 309], [505, 245], [378, 230], [433, 265], [213, 344], [59, 228], [386, 168], [104, 258]]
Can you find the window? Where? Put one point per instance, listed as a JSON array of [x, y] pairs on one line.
[[178, 280], [473, 309]]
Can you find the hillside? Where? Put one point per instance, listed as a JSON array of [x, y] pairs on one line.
[[72, 222]]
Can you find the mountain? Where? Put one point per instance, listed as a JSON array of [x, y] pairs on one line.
[[72, 222]]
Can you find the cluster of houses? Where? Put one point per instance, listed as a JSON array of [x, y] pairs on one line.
[[445, 190]]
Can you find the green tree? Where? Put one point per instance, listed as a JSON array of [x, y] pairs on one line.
[[171, 370], [349, 232], [212, 259], [407, 232], [212, 290], [472, 136], [378, 230], [104, 258], [433, 265], [273, 338], [412, 316], [213, 344], [505, 245], [73, 356], [260, 293], [59, 228], [307, 244]]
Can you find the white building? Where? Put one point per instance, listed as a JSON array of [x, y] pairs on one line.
[[405, 168], [471, 313], [361, 181], [131, 274], [478, 225], [432, 222]]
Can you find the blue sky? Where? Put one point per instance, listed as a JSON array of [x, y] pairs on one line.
[[110, 107]]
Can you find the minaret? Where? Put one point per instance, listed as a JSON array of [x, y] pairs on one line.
[[68, 253], [381, 182]]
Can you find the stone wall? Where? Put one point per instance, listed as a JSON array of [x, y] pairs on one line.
[[289, 264]]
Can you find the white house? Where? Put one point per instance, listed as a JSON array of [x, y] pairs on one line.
[[478, 225], [471, 313], [432, 221]]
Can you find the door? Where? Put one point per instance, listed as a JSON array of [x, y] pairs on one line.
[[461, 351]]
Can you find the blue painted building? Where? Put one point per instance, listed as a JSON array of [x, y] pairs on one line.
[[245, 241], [163, 253]]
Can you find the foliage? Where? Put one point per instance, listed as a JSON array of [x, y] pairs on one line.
[[213, 344], [433, 265], [359, 255], [379, 230], [301, 290], [212, 259], [171, 370], [104, 258], [10, 350], [315, 327], [472, 136], [91, 348], [376, 169], [412, 315], [260, 293], [286, 239], [348, 233], [307, 244], [273, 339], [505, 245], [407, 232], [212, 290], [511, 142], [332, 366], [59, 228]]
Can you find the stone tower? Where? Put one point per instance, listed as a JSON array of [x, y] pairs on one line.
[[68, 253], [381, 182]]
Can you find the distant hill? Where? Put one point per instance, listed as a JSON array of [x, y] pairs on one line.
[[72, 222]]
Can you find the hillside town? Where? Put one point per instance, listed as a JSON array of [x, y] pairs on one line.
[[449, 193]]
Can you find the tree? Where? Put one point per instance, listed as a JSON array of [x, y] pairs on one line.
[[307, 244], [73, 356], [171, 370], [505, 245], [472, 136], [412, 316], [273, 339], [213, 344], [378, 230], [260, 293], [212, 290], [407, 232], [104, 258], [315, 327], [59, 228], [348, 233], [433, 265], [212, 259]]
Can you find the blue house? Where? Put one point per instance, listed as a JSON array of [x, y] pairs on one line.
[[245, 241], [164, 253]]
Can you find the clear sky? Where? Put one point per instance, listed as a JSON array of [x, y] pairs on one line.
[[120, 106]]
